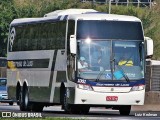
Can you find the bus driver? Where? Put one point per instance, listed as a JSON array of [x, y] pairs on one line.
[[82, 64]]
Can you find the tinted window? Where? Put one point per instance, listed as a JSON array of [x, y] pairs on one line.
[[109, 30], [40, 36]]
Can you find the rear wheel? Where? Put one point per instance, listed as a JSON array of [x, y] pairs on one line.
[[10, 103], [18, 91], [125, 110], [24, 100]]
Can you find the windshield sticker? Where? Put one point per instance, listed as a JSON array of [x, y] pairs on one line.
[[118, 74], [108, 76], [131, 75]]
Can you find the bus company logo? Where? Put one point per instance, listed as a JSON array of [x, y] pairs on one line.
[[112, 89], [6, 114], [12, 36]]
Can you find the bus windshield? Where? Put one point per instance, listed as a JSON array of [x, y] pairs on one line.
[[110, 59]]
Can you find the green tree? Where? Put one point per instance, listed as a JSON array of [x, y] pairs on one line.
[[6, 15]]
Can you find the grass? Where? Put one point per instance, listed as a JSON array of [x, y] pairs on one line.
[[48, 118]]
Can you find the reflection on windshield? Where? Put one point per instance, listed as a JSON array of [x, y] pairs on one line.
[[94, 56], [110, 60]]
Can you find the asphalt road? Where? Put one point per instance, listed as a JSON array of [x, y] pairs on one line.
[[94, 114]]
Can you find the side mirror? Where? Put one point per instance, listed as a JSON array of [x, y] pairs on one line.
[[149, 47], [73, 44]]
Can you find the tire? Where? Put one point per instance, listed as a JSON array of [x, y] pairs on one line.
[[84, 110], [65, 105], [76, 109], [73, 109], [10, 103], [18, 91], [37, 107], [125, 110], [24, 100]]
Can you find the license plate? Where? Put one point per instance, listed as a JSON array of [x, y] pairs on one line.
[[111, 98]]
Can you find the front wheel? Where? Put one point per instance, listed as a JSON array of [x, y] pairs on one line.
[[70, 108], [83, 109], [65, 105], [37, 107], [125, 110]]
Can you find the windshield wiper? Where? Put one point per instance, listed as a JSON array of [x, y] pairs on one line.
[[99, 75], [119, 67], [124, 74]]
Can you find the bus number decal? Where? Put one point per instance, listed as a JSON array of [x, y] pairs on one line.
[[12, 36], [82, 81]]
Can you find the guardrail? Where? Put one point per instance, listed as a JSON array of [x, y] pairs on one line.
[[153, 76], [138, 3]]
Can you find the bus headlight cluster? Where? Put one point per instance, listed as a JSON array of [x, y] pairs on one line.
[[84, 87], [138, 88]]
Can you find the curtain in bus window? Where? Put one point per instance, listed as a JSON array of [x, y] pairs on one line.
[[53, 36], [43, 35], [61, 35], [26, 35], [49, 40]]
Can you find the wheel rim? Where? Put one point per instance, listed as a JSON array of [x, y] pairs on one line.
[[26, 99]]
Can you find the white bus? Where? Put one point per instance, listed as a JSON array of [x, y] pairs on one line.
[[44, 57]]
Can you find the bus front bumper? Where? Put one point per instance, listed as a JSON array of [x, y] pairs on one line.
[[98, 98]]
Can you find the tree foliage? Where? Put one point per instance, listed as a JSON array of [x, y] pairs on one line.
[[11, 9]]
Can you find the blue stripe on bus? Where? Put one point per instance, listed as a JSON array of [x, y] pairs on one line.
[[95, 13], [53, 67], [65, 17], [116, 83], [59, 17], [33, 22]]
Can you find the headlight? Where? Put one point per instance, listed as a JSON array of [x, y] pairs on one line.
[[84, 87], [138, 88]]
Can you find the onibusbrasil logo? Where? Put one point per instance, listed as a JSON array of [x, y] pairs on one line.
[[12, 37], [20, 115]]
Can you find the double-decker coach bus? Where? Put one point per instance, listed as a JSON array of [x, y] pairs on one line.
[[74, 60]]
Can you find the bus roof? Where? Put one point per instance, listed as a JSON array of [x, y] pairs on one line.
[[102, 16], [78, 14], [68, 12]]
